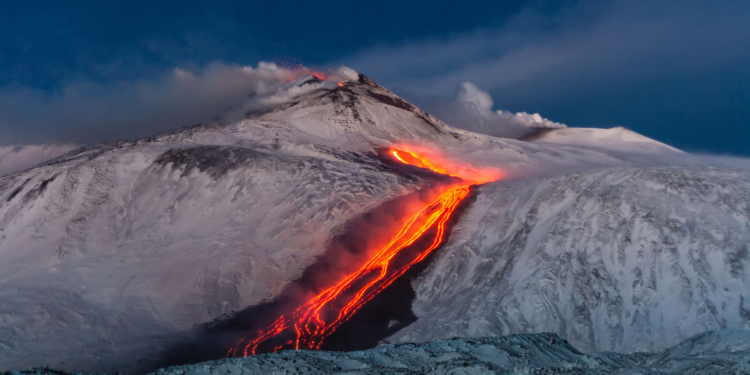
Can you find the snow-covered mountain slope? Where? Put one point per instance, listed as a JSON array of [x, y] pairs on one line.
[[15, 158], [151, 237], [109, 253], [617, 138], [175, 235], [621, 259], [724, 351]]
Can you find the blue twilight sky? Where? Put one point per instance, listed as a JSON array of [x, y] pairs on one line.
[[676, 71]]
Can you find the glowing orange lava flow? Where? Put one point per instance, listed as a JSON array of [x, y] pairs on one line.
[[416, 160], [318, 318]]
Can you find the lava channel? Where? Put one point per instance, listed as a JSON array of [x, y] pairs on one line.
[[309, 325]]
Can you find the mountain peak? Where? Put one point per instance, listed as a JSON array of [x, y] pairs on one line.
[[348, 110]]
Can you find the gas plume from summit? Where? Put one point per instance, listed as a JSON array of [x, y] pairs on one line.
[[87, 111]]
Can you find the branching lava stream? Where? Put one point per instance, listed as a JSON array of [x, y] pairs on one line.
[[313, 322]]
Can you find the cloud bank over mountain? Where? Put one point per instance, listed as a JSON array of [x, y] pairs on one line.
[[86, 111]]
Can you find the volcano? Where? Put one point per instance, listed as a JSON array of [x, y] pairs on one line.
[[113, 254]]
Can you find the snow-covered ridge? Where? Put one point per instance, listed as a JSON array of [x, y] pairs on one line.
[[15, 158], [724, 351], [617, 138]]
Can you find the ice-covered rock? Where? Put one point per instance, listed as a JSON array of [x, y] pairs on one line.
[[725, 352]]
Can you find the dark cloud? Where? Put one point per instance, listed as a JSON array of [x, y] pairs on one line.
[[589, 43], [675, 71]]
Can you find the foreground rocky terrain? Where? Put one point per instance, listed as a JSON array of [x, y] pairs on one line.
[[719, 352]]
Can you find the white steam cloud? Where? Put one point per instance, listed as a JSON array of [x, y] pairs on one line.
[[86, 112], [472, 110]]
